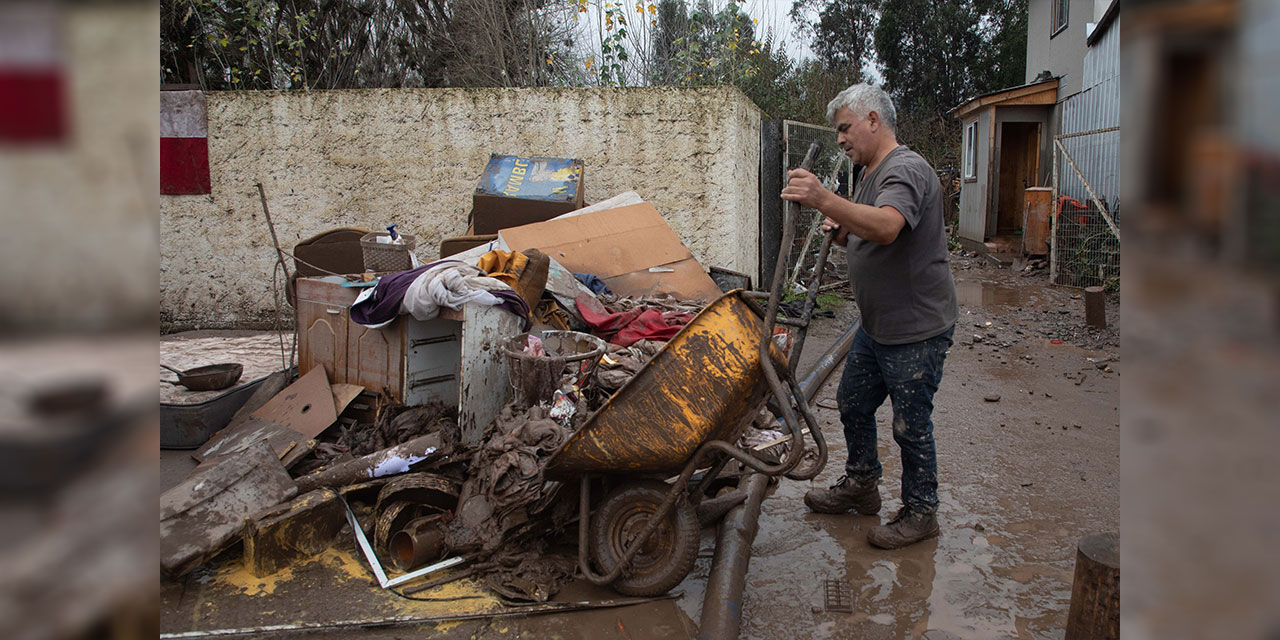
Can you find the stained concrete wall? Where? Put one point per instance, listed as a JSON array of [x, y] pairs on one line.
[[413, 156]]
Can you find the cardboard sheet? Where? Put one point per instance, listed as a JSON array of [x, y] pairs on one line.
[[306, 406], [631, 248], [343, 394]]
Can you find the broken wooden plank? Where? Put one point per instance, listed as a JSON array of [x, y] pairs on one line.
[[389, 461], [288, 533], [343, 395], [306, 406], [200, 516]]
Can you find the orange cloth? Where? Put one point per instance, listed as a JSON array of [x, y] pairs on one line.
[[526, 274]]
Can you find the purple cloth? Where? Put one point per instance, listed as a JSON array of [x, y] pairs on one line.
[[383, 305]]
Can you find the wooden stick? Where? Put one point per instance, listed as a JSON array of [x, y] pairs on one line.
[[1093, 196]]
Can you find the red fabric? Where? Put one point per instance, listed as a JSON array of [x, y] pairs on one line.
[[627, 327], [654, 325], [184, 166], [32, 105]]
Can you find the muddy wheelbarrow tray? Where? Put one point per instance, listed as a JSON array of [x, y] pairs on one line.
[[705, 386]]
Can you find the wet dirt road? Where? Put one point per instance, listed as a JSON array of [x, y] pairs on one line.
[[1021, 480]]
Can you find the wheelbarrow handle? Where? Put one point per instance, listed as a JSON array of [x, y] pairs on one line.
[[790, 212], [770, 368]]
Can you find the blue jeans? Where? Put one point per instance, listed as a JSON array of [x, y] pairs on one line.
[[908, 374]]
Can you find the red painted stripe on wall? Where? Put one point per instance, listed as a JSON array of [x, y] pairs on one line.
[[32, 105], [184, 166]]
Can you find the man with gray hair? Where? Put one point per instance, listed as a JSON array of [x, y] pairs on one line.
[[901, 280]]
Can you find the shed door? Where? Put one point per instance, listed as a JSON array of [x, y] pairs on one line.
[[1019, 166]]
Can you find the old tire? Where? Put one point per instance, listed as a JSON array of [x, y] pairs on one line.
[[666, 557]]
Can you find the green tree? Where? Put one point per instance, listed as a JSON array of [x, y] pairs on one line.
[[1003, 54], [331, 44], [673, 24], [842, 34]]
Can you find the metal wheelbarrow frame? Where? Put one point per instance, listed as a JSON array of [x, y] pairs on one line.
[[687, 405]]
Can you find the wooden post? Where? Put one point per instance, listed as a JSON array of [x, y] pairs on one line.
[[1095, 307], [1095, 592], [1053, 219]]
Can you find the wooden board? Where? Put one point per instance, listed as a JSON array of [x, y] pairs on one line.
[[287, 421], [485, 380]]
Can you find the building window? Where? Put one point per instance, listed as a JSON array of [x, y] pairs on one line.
[[971, 151], [1059, 16]]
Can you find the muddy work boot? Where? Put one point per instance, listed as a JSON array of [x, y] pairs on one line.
[[908, 527], [844, 495]]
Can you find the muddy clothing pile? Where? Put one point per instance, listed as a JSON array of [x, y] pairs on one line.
[[660, 301], [505, 485], [619, 365], [531, 575]]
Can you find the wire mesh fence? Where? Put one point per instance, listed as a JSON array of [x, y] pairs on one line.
[[1085, 247], [834, 169]]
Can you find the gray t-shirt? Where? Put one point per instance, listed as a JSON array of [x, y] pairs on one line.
[[904, 290]]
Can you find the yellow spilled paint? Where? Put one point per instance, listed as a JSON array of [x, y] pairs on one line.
[[347, 573], [237, 577]]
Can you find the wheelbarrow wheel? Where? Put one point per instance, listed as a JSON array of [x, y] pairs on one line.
[[666, 557]]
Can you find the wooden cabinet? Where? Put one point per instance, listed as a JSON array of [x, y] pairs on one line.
[[1036, 228], [456, 358]]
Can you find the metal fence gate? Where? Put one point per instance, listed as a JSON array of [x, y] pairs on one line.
[[1085, 244], [783, 145]]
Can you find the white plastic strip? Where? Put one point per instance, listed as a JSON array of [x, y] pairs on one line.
[[376, 564]]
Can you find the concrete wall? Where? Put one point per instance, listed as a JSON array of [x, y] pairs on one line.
[[1061, 53], [371, 157]]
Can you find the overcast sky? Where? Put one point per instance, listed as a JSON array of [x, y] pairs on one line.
[[773, 14]]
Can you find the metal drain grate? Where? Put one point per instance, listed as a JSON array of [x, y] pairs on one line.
[[837, 597]]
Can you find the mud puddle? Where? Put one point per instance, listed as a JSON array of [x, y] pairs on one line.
[[994, 295]]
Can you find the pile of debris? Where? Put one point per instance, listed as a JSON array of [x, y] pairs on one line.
[[426, 471]]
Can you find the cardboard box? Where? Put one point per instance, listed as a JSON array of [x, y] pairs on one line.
[[631, 248], [515, 191]]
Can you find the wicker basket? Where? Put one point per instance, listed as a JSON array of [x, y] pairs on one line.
[[384, 257]]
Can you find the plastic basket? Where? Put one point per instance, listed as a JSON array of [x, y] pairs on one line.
[[383, 257]]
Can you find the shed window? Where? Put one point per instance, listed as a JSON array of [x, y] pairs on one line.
[[971, 150], [1059, 16]]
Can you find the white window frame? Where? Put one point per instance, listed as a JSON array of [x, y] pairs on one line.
[[971, 151]]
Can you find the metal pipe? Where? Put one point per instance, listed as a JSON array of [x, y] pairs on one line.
[[712, 510], [722, 603], [811, 300], [826, 364], [421, 541]]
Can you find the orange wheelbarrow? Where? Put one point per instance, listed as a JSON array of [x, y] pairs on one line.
[[683, 411]]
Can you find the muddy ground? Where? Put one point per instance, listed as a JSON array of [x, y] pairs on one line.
[[1022, 478]]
